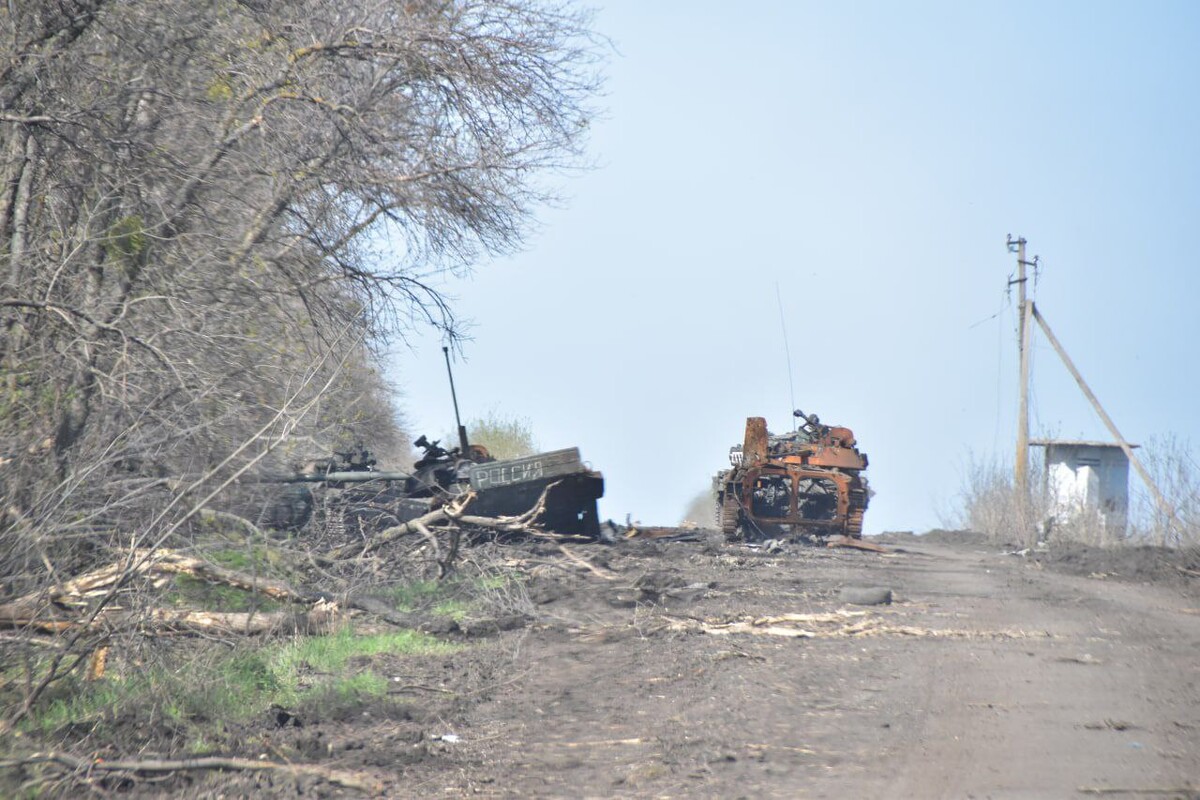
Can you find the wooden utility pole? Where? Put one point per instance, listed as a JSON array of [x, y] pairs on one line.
[[1021, 464], [1163, 506]]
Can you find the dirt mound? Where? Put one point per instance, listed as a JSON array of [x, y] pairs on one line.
[[936, 535], [1140, 563]]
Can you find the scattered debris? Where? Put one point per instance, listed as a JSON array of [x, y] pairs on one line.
[[1085, 658], [866, 595], [682, 534], [1181, 792], [1110, 725], [857, 544], [598, 572], [593, 743], [836, 624]]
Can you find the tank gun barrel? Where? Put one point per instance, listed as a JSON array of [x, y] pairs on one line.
[[339, 477]]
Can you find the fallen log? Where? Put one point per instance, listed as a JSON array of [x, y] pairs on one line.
[[48, 611], [198, 568], [389, 535], [33, 611], [521, 523], [85, 766], [590, 567], [228, 622], [451, 512]]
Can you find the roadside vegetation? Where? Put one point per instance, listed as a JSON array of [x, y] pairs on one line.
[[504, 436], [1175, 467], [222, 689], [224, 693], [989, 503], [213, 217]]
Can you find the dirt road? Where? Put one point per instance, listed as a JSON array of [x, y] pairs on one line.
[[988, 677]]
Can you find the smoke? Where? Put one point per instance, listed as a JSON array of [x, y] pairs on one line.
[[701, 511]]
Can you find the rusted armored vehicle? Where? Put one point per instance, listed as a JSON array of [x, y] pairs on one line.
[[808, 483]]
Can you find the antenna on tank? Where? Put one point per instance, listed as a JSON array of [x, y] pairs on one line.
[[462, 430], [787, 351]]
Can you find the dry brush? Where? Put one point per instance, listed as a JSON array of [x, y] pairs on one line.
[[212, 214]]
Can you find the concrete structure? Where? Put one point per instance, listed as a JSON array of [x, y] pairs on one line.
[[1087, 484]]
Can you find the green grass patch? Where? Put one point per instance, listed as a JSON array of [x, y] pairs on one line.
[[462, 597], [328, 653], [494, 582], [71, 702], [504, 436], [221, 687], [456, 610], [187, 591], [202, 746], [363, 686], [452, 598], [411, 596], [264, 561]]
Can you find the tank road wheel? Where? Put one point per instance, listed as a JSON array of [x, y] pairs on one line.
[[729, 513]]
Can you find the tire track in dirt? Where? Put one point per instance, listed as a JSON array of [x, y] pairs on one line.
[[621, 697], [1097, 705]]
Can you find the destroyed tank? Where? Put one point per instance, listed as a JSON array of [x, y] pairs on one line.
[[808, 482], [349, 495], [353, 494]]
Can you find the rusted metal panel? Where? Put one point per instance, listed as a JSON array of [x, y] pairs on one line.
[[840, 457], [754, 451], [522, 470]]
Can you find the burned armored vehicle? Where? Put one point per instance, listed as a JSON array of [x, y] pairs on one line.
[[352, 496], [806, 483], [347, 494]]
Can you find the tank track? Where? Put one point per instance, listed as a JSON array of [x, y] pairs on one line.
[[854, 517], [728, 515]]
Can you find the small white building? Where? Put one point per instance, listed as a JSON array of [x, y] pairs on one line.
[[1087, 484]]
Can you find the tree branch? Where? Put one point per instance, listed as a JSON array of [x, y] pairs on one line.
[[84, 766]]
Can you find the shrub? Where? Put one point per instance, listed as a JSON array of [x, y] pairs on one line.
[[503, 436], [991, 505], [1173, 466]]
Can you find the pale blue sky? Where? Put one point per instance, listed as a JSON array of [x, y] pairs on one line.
[[870, 159]]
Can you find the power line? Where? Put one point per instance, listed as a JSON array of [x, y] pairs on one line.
[[787, 351]]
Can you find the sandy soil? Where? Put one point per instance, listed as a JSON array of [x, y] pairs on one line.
[[990, 676]]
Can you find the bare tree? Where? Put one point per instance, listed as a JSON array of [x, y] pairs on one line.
[[211, 213], [1172, 463], [990, 504]]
